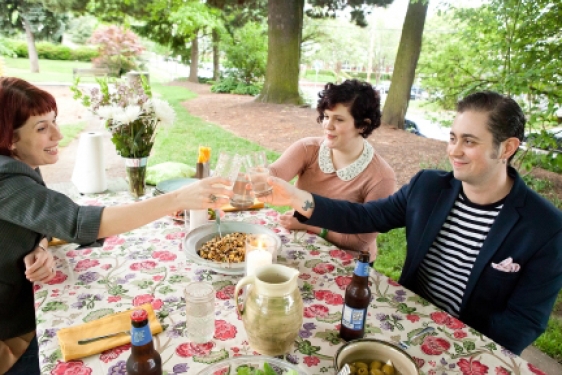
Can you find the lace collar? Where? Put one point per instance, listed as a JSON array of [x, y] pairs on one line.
[[351, 171]]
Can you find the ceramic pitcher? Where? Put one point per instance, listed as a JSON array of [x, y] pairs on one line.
[[273, 310]]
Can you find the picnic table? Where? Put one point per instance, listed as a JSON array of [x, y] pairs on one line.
[[148, 265]]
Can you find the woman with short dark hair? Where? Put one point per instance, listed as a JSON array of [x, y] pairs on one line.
[[341, 164], [29, 138]]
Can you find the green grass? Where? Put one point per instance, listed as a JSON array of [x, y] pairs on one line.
[[550, 342], [70, 132], [180, 142], [391, 253]]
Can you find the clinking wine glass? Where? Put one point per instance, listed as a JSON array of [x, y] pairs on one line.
[[257, 172]]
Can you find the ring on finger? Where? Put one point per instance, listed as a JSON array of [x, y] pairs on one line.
[[213, 198]]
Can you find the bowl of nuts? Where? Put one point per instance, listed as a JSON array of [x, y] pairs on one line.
[[225, 255]]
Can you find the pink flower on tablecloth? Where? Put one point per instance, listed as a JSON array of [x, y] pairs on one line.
[[71, 368], [314, 252], [222, 371], [144, 265], [114, 241], [343, 281], [75, 253], [535, 370], [157, 277], [190, 349], [434, 345], [443, 318], [224, 330], [392, 282], [460, 334], [93, 202], [316, 310], [226, 292], [113, 299], [322, 268], [311, 360], [175, 236], [304, 276], [471, 367], [164, 256], [148, 298], [276, 230], [419, 362], [59, 278], [109, 355], [106, 266], [272, 213], [502, 371], [413, 318], [344, 256], [328, 296], [84, 264], [36, 287]]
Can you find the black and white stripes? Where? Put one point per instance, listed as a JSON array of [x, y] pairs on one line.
[[444, 271]]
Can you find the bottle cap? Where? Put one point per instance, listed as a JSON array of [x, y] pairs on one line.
[[139, 315]]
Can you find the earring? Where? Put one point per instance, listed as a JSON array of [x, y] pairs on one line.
[[504, 161]]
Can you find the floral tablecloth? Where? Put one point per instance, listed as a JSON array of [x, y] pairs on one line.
[[148, 265]]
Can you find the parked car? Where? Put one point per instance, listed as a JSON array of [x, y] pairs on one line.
[[424, 128]]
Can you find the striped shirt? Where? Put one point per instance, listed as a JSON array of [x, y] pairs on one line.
[[445, 269]]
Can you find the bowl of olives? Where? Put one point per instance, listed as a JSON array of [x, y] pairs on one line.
[[374, 357]]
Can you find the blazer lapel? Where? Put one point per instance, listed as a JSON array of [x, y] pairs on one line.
[[503, 224], [433, 225]]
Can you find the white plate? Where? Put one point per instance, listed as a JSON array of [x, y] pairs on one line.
[[197, 237]]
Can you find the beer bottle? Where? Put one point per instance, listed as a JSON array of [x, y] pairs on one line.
[[357, 299], [144, 360]]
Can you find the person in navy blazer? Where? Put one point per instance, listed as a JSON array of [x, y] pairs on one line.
[[512, 308]]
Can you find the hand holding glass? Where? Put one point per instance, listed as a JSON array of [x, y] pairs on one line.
[[228, 166]]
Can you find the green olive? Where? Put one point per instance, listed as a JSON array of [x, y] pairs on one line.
[[352, 369], [376, 365], [388, 369], [375, 371], [362, 371], [361, 365]]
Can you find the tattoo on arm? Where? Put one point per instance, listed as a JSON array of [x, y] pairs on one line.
[[308, 204]]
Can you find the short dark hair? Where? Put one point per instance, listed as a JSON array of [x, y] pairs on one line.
[[19, 100], [363, 101], [505, 117]]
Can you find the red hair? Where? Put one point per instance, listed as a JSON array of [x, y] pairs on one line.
[[19, 100]]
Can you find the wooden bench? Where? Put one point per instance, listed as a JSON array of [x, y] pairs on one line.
[[91, 72]]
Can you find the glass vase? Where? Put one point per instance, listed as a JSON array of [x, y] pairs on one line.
[[136, 175]]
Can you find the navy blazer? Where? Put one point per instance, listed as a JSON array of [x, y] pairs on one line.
[[511, 308]]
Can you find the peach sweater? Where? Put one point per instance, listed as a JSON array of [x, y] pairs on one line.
[[375, 182]]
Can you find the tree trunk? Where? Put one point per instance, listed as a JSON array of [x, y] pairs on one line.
[[396, 103], [32, 51], [194, 58], [283, 55], [216, 56]]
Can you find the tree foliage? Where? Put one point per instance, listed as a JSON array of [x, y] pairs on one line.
[[45, 23], [246, 51], [511, 46]]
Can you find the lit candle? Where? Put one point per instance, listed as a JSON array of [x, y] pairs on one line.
[[257, 258], [260, 251]]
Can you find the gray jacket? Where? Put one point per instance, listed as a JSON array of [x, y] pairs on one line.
[[30, 211]]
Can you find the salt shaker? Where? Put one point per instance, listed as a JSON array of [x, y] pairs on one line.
[[200, 311]]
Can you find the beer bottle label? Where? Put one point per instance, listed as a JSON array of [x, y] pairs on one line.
[[140, 336], [362, 269], [353, 318]]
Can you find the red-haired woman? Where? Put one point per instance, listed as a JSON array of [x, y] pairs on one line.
[[29, 138]]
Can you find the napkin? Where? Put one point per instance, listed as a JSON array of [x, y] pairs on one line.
[[507, 265], [257, 205], [68, 337]]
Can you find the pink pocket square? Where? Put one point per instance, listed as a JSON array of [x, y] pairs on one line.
[[507, 265]]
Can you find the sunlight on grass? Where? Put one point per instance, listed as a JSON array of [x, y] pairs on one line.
[[391, 253], [180, 142], [70, 132]]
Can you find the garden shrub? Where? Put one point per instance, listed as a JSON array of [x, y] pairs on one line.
[[50, 51], [119, 48]]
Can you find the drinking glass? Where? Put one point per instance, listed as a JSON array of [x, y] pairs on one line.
[[257, 171], [200, 311], [228, 166], [242, 197], [256, 159]]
